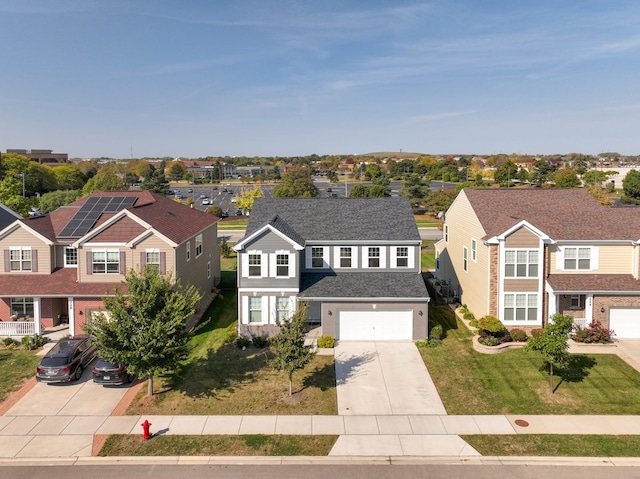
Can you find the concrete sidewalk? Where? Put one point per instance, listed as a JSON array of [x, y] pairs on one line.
[[413, 435]]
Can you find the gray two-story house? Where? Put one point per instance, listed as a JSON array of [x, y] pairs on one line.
[[354, 261]]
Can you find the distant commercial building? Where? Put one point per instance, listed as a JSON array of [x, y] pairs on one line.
[[44, 157]]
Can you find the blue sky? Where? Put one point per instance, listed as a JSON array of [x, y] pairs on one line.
[[196, 78]]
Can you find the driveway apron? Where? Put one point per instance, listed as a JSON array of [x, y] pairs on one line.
[[383, 378]]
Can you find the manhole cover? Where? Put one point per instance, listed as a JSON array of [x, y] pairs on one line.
[[521, 423]]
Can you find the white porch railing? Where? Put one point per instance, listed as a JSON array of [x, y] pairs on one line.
[[17, 328], [580, 322]]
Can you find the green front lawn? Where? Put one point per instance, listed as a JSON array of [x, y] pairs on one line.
[[514, 382], [233, 224], [428, 255], [16, 366], [555, 445]]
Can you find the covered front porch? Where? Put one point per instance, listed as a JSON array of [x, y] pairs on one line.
[[26, 315]]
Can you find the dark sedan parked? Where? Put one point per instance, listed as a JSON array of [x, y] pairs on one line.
[[66, 360], [109, 374]]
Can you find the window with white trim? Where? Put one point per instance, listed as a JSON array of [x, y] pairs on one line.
[[446, 233], [374, 257], [282, 308], [22, 307], [152, 258], [20, 257], [576, 259], [198, 245], [575, 301], [474, 250], [521, 307], [282, 264], [317, 257], [465, 258], [437, 260], [70, 256], [255, 264], [255, 309], [106, 261], [521, 263], [402, 257], [188, 250], [345, 257], [208, 269]]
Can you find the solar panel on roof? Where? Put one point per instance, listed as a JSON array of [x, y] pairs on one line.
[[88, 214]]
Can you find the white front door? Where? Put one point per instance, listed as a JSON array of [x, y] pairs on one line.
[[375, 325]]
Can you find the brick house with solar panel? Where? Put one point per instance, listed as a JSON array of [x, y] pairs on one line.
[[56, 268], [524, 255]]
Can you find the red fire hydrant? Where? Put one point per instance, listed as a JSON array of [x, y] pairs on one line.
[[146, 425]]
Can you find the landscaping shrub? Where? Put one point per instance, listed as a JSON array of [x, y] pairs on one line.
[[260, 341], [518, 335], [468, 316], [425, 343], [490, 340], [594, 333], [243, 343], [8, 342], [491, 324], [326, 342], [473, 323], [536, 333], [436, 332]]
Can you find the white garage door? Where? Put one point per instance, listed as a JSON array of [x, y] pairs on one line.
[[625, 322], [375, 325]]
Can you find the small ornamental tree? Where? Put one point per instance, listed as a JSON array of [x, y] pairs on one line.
[[552, 343], [146, 329], [288, 348]]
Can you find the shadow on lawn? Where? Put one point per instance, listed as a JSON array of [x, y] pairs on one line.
[[576, 370], [322, 377], [222, 370]]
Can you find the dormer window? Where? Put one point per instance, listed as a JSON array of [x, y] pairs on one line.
[[70, 256]]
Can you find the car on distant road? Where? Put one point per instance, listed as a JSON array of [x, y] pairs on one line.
[[109, 374], [190, 190], [203, 196], [224, 214], [206, 201], [238, 212], [233, 200], [66, 360]]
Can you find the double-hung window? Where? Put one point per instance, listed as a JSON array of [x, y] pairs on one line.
[[255, 264], [282, 308], [521, 307], [465, 258], [521, 263], [577, 259], [282, 265], [317, 257], [153, 258], [402, 257], [105, 261], [345, 257], [198, 245], [255, 309], [374, 257], [474, 250], [20, 258], [70, 256]]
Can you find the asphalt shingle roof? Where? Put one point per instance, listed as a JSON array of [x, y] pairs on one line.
[[363, 285], [614, 283], [339, 219], [563, 214]]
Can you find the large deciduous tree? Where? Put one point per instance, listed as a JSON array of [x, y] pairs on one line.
[[553, 343], [631, 187], [245, 199], [289, 351], [155, 181], [566, 178], [106, 179], [296, 183], [146, 328]]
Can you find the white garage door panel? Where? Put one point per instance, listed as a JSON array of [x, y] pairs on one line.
[[625, 322], [375, 325]]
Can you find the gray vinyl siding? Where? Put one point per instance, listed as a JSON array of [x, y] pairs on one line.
[[267, 244]]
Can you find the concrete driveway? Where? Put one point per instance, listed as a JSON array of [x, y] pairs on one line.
[[78, 398], [383, 378]]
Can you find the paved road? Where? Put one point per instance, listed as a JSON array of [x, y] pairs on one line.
[[291, 468]]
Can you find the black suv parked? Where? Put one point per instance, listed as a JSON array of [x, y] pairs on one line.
[[109, 374], [66, 360]]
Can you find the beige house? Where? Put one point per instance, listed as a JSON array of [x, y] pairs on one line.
[[56, 268], [524, 255]]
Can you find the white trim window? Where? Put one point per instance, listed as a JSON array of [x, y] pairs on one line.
[[465, 258], [446, 233], [575, 301], [373, 257], [255, 265], [346, 257], [255, 310], [577, 259], [70, 257], [317, 257], [198, 245], [208, 269], [188, 250], [474, 250], [282, 265], [282, 308], [20, 258], [402, 256], [22, 307], [520, 307], [152, 257], [521, 263], [105, 261]]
